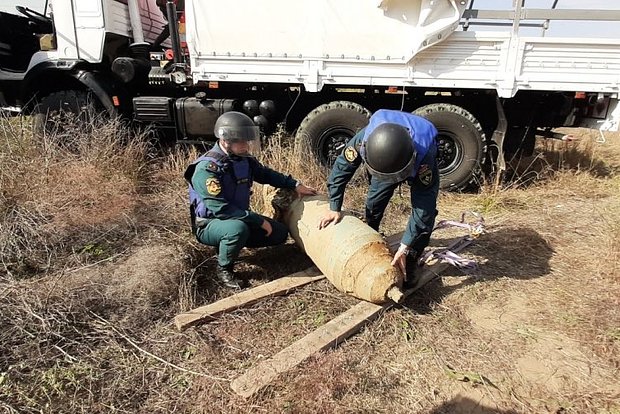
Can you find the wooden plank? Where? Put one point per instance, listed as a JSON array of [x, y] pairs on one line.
[[247, 297], [429, 272], [393, 241], [330, 334], [277, 287]]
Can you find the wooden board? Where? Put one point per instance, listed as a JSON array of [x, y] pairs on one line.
[[330, 334], [247, 297], [393, 241]]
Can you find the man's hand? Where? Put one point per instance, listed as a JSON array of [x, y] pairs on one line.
[[302, 190], [400, 258], [267, 227], [330, 216]]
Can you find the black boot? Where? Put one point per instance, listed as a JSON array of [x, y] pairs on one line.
[[226, 275], [411, 268]]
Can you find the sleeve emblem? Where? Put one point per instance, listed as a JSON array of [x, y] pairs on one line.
[[350, 153], [425, 175], [213, 186]]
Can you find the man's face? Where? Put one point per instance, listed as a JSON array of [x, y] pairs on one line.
[[239, 148]]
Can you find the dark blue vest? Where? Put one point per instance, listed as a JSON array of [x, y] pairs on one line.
[[235, 178], [423, 132]]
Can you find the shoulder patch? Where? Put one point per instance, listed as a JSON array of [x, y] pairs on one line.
[[212, 166], [425, 174], [350, 153], [213, 186]]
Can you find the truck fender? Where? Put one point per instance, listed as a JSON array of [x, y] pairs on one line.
[[48, 77], [90, 80]]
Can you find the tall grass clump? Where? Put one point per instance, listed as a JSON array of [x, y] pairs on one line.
[[70, 191], [281, 154], [578, 160]]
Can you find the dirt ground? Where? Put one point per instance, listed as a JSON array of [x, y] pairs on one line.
[[536, 329]]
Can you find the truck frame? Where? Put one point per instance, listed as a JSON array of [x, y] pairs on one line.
[[319, 69]]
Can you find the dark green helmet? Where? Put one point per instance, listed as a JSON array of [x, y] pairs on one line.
[[389, 153], [235, 127]]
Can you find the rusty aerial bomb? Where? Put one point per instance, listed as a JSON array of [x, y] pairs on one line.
[[352, 256]]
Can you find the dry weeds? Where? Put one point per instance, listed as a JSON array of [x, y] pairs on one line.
[[87, 308], [59, 198]]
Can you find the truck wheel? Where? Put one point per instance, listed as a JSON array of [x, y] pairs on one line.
[[61, 109], [328, 128], [461, 144]]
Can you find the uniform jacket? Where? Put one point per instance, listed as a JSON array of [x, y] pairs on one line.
[[424, 177]]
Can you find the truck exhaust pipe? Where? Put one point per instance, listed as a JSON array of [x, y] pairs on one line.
[[139, 48], [171, 10]]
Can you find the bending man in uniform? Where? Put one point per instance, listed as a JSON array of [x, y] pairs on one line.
[[219, 194], [396, 147]]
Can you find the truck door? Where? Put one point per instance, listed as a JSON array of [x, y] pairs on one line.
[[80, 29]]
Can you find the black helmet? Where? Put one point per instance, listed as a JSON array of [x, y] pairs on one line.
[[236, 126], [389, 153]]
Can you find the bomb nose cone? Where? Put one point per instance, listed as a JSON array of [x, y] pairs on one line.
[[395, 294]]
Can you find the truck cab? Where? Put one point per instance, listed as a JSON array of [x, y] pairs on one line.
[[20, 39]]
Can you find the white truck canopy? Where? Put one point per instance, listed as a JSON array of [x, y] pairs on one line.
[[393, 42], [303, 41], [363, 31]]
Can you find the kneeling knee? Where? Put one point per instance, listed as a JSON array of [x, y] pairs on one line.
[[237, 230]]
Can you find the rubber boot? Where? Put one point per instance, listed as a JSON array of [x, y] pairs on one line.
[[411, 268], [226, 275]]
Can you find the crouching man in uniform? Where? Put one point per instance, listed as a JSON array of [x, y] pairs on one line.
[[395, 146], [220, 185]]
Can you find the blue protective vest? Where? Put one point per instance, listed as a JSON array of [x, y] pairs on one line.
[[235, 178], [422, 131]]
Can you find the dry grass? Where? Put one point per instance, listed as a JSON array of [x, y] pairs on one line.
[[60, 197], [98, 259]]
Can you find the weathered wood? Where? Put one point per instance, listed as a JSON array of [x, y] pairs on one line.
[[247, 297], [393, 241], [330, 334]]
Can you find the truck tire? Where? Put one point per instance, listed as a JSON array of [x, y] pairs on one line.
[[461, 143], [59, 109], [328, 128]]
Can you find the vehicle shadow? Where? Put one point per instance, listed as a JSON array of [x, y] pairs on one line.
[[517, 253], [464, 405]]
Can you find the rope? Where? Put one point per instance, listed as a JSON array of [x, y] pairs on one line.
[[447, 254]]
